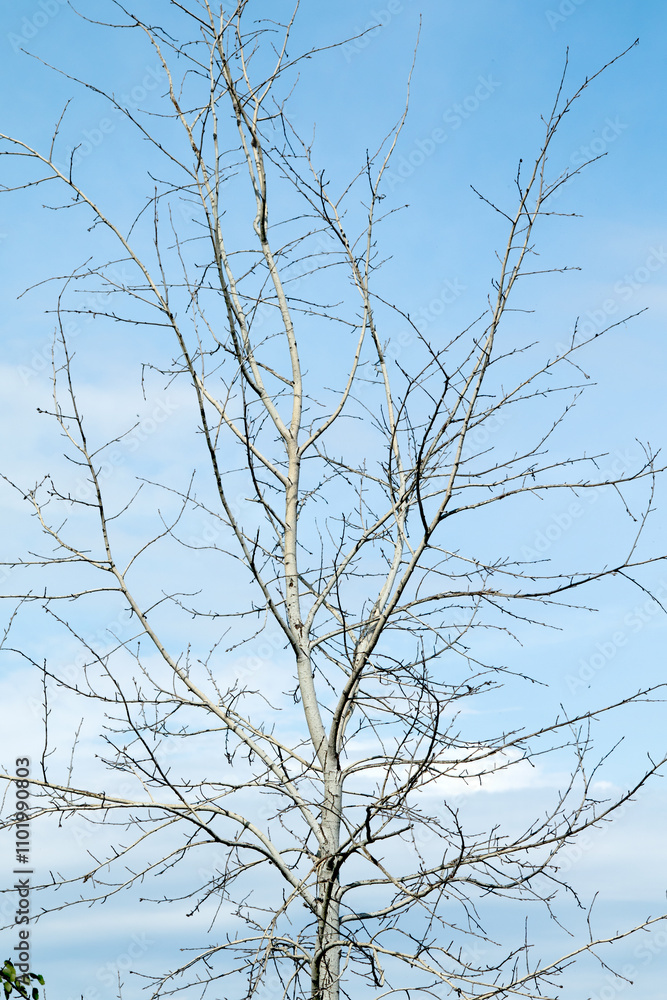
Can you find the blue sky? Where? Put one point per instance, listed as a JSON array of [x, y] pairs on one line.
[[484, 74]]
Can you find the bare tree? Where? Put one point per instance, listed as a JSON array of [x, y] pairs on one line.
[[325, 783]]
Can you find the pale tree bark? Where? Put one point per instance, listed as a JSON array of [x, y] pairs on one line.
[[353, 563]]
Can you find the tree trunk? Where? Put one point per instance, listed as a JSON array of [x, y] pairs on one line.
[[326, 961]]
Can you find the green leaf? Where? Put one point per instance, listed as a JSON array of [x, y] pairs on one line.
[[9, 971]]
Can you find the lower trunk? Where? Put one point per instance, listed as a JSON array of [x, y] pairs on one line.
[[326, 962]]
